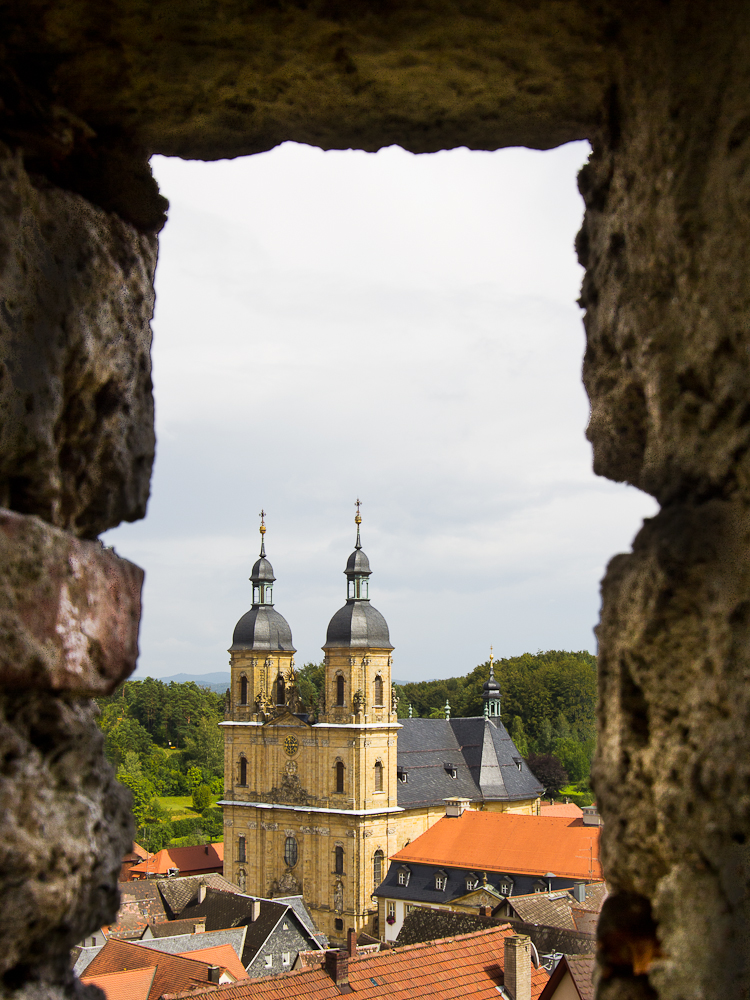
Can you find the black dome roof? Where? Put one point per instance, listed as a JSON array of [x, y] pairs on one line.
[[263, 628], [358, 623], [262, 571], [358, 564]]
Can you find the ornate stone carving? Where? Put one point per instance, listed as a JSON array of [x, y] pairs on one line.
[[269, 826]]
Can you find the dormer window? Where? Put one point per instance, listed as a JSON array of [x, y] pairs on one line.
[[450, 770], [441, 881], [518, 761], [402, 774], [472, 882], [506, 885], [404, 874]]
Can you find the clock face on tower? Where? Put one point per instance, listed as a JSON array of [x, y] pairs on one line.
[[291, 745]]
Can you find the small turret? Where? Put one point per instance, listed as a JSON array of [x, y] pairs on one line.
[[491, 693]]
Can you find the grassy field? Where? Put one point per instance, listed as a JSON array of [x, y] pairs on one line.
[[181, 806]]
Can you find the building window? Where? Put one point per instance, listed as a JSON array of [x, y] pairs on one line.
[[391, 909], [506, 886], [377, 867], [241, 856], [339, 860], [450, 770], [243, 770], [340, 691], [243, 690], [285, 958], [403, 876], [409, 908], [338, 924], [290, 852], [378, 691], [339, 776], [441, 881], [280, 690], [378, 776], [472, 882], [269, 961], [402, 775]]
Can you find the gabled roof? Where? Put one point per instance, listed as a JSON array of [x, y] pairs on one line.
[[506, 842], [222, 955], [581, 970], [173, 972], [562, 809], [131, 984], [224, 909], [448, 969], [171, 928], [299, 906], [181, 944], [178, 892], [187, 859], [551, 909], [484, 758]]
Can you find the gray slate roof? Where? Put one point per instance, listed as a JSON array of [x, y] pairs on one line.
[[299, 906], [193, 942], [481, 752], [178, 892], [85, 957], [263, 628], [358, 624]]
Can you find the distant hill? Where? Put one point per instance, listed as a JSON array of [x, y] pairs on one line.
[[217, 681]]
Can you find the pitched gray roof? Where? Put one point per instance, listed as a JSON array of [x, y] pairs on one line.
[[482, 754], [178, 892], [193, 942], [299, 906], [85, 957]]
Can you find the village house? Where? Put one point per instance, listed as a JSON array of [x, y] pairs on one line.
[[471, 861]]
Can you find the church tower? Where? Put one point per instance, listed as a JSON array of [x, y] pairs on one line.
[[312, 809]]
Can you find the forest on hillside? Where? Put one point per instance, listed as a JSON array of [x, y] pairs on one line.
[[166, 745]]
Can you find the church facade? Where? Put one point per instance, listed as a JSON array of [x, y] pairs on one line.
[[319, 808]]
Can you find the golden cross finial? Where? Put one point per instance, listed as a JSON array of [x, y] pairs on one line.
[[491, 656], [358, 516], [262, 522]]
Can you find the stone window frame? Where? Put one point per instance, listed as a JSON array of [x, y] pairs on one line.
[[378, 859], [339, 768], [338, 859], [378, 688], [340, 682], [378, 780], [291, 851], [242, 849], [280, 686], [242, 767], [243, 689]]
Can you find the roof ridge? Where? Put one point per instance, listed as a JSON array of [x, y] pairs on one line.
[[496, 928]]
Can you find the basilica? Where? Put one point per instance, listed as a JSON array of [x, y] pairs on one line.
[[318, 808]]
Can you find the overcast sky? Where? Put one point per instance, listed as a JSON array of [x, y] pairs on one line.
[[395, 327]]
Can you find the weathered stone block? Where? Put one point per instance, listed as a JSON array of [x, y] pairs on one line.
[[69, 610], [76, 410], [65, 824]]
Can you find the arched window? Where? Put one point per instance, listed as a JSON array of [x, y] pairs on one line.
[[243, 690], [377, 867], [280, 690], [379, 691], [339, 776], [378, 776], [241, 855], [339, 860], [243, 770], [290, 852], [339, 690]]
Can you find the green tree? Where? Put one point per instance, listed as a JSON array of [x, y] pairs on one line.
[[194, 777], [518, 735], [130, 773], [574, 758], [126, 736], [204, 746], [310, 682], [201, 797]]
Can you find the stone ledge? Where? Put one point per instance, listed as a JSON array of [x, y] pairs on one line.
[[69, 610]]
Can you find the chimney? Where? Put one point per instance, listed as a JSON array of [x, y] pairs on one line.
[[200, 925], [337, 967], [517, 971], [254, 910], [579, 892], [351, 942], [213, 974], [201, 892], [455, 805]]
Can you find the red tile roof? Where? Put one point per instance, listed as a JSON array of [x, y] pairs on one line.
[[222, 955], [562, 809], [581, 970], [131, 984], [174, 973], [470, 965], [505, 842], [186, 859]]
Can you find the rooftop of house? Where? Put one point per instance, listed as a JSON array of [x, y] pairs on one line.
[[581, 969], [555, 909], [472, 758], [188, 859], [130, 984], [222, 955], [173, 972], [299, 906], [170, 928], [177, 892], [140, 900], [181, 944], [561, 809], [505, 842], [471, 965]]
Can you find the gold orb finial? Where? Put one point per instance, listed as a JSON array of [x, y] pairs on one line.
[[358, 516], [262, 522]]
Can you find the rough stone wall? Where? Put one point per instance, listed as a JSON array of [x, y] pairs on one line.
[[666, 244], [87, 92]]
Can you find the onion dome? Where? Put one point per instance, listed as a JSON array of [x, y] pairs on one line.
[[262, 628], [358, 623]]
